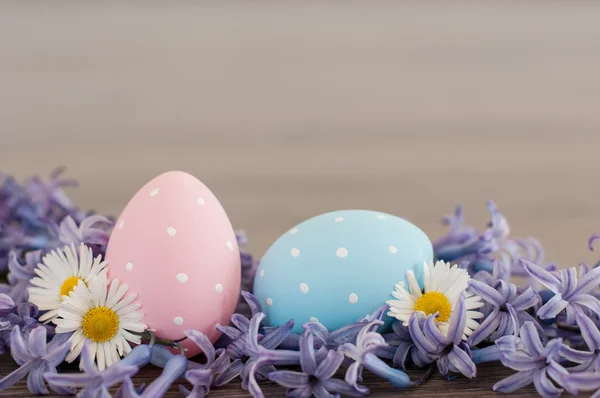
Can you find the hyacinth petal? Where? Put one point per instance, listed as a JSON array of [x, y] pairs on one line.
[[462, 362], [589, 331], [308, 361], [420, 340], [588, 301], [542, 276], [289, 379], [340, 387], [275, 338], [16, 375], [233, 371], [486, 328], [253, 303], [330, 365], [519, 361], [229, 331], [582, 381], [576, 356], [525, 300], [202, 341], [544, 385], [588, 282], [432, 332], [515, 382], [240, 322], [592, 239], [35, 380], [486, 293], [553, 307], [531, 340], [458, 320]]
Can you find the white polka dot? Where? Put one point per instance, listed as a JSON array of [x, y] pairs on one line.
[[353, 298], [269, 301], [295, 252], [121, 223], [313, 319], [342, 252], [200, 201], [381, 216], [393, 249], [262, 273], [171, 231], [229, 245], [304, 288], [293, 231], [183, 278], [219, 288], [154, 192], [129, 266], [178, 321], [339, 219]]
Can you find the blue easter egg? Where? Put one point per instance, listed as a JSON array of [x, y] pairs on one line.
[[338, 267]]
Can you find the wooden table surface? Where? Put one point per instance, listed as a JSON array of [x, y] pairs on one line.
[[290, 109]]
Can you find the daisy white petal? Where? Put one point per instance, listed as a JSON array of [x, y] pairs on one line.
[[443, 285], [86, 312]]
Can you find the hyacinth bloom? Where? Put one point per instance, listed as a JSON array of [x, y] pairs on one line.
[[201, 376], [477, 251], [536, 362], [36, 357], [93, 231], [95, 382], [448, 350], [316, 377], [508, 309], [571, 293]]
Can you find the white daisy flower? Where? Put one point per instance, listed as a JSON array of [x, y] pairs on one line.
[[443, 287], [60, 271], [102, 313]]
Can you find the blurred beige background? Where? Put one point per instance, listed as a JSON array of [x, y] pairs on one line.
[[287, 109]]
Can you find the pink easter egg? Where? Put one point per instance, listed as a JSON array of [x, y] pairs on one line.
[[176, 249]]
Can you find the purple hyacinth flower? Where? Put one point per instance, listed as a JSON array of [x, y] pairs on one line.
[[24, 316], [449, 351], [535, 362], [571, 294], [201, 376], [94, 231], [316, 377], [36, 357], [362, 353], [7, 305], [477, 251], [401, 349], [19, 275], [345, 334], [238, 351], [591, 337], [96, 383], [508, 309]]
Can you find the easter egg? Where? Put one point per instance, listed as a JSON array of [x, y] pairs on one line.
[[174, 246], [338, 267]]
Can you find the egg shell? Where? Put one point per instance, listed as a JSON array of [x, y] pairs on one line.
[[176, 249], [338, 267]]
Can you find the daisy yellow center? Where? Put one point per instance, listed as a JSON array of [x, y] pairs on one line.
[[68, 286], [433, 302], [100, 324]]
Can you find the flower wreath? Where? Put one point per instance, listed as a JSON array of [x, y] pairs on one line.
[[58, 305]]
